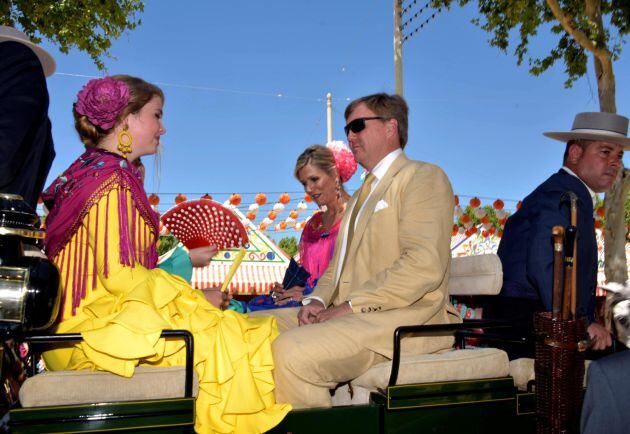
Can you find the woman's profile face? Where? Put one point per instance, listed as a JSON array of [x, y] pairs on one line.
[[318, 184], [146, 127]]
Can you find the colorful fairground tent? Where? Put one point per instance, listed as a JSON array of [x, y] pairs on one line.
[[263, 265]]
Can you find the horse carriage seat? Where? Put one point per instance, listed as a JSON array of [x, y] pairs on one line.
[[91, 387], [156, 398], [469, 276]]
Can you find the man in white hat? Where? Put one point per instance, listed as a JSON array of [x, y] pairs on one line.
[[26, 145], [592, 160]]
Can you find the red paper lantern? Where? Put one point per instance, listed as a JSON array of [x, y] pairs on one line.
[[492, 230], [283, 225], [468, 232], [207, 196], [598, 224], [154, 199], [180, 198], [475, 202], [465, 218], [307, 198], [500, 233], [498, 204], [473, 230], [485, 220], [251, 215], [502, 221], [601, 212], [293, 214], [455, 228], [272, 215], [284, 198], [261, 199], [235, 199]]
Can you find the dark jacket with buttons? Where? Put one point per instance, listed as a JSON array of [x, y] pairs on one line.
[[526, 249], [26, 145]]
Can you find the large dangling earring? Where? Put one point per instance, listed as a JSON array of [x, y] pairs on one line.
[[125, 140]]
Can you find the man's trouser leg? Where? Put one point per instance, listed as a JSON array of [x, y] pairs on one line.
[[310, 360]]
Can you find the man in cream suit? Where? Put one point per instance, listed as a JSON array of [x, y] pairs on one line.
[[390, 266]]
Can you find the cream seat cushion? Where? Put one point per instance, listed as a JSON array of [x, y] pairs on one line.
[[523, 371], [457, 365], [87, 387]]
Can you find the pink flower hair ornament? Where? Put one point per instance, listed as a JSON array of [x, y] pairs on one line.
[[344, 160], [102, 100]]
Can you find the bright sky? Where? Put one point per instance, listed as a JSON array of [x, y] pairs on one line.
[[245, 86]]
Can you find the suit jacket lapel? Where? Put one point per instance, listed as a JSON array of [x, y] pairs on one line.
[[376, 195]]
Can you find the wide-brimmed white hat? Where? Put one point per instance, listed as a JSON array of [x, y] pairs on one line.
[[48, 62], [600, 126]]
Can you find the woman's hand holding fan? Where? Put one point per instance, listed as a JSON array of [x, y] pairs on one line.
[[201, 256], [218, 298]]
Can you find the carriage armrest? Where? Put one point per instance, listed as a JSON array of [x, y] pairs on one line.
[[468, 328], [167, 334]]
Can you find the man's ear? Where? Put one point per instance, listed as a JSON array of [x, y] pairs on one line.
[[575, 153], [391, 127]]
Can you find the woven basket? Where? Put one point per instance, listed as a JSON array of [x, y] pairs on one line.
[[559, 370]]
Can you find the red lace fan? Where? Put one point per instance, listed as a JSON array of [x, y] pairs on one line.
[[204, 222]]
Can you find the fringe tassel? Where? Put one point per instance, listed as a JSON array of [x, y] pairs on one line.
[[96, 243], [75, 269], [123, 228], [59, 261], [132, 234], [105, 242], [86, 256]]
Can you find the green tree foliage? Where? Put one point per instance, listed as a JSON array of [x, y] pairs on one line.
[[88, 25], [516, 22], [289, 245], [166, 243]]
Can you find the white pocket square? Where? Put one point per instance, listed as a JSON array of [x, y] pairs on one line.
[[380, 205]]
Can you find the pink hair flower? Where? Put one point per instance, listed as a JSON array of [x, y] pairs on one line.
[[102, 100], [344, 160]]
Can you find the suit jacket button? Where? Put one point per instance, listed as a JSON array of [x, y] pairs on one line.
[[363, 310]]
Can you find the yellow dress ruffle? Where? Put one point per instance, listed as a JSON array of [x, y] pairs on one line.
[[122, 316]]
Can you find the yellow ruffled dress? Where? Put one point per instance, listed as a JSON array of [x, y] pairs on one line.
[[122, 315]]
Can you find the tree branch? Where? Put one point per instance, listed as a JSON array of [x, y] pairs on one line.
[[567, 24]]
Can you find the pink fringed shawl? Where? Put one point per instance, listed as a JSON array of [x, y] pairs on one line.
[[70, 198], [317, 247]]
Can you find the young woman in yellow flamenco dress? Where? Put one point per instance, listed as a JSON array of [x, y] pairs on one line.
[[101, 232]]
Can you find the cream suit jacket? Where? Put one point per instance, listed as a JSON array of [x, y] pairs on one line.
[[397, 267]]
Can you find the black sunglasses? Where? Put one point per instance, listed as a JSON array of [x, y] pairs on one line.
[[358, 124]]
